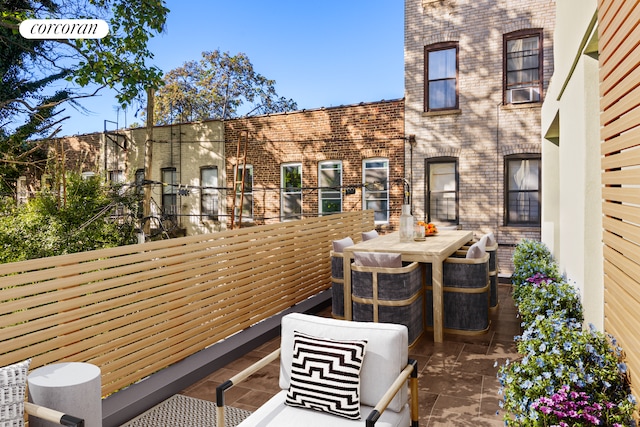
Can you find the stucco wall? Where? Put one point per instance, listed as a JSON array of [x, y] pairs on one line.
[[572, 213]]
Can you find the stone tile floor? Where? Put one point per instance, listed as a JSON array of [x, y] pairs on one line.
[[457, 382]]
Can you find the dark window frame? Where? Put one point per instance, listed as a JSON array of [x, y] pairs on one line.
[[428, 191], [522, 34], [507, 211], [439, 47], [169, 193]]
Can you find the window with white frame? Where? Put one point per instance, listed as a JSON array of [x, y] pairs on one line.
[[209, 193], [246, 192], [523, 67], [523, 190], [442, 190], [291, 200], [330, 183], [375, 192]]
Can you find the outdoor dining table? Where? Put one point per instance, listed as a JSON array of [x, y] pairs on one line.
[[434, 250]]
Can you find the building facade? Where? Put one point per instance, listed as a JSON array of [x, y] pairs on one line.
[[299, 164], [476, 73], [591, 140], [314, 162], [571, 184]]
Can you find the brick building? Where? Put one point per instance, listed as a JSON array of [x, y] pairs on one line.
[[312, 162], [476, 72], [299, 164]]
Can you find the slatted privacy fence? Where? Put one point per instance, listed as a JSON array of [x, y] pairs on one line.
[[137, 309], [619, 37]]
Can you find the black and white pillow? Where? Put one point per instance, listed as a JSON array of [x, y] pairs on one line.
[[325, 375]]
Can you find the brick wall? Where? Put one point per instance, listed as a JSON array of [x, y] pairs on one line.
[[347, 133], [483, 131]]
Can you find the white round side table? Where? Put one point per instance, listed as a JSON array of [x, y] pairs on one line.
[[73, 388]]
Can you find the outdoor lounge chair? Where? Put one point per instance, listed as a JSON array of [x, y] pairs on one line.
[[339, 396]]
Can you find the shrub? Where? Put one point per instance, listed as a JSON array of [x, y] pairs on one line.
[[545, 297], [558, 354], [530, 258], [567, 376]]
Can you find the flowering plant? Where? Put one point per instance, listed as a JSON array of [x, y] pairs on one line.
[[545, 296], [558, 353], [567, 408], [567, 375], [530, 258]]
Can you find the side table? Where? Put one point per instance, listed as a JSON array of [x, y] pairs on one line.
[[73, 388]]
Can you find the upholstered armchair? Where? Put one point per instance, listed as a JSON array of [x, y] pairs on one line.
[[336, 373]]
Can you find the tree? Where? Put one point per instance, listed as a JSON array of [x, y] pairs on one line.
[[49, 225], [40, 76], [216, 87]]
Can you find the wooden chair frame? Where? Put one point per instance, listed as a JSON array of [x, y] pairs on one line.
[[409, 373]]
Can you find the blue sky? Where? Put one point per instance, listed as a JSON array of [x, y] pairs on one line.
[[320, 53]]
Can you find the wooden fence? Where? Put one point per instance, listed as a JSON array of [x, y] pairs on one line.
[[134, 310], [620, 131]]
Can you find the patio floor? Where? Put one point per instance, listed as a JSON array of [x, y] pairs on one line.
[[457, 382]]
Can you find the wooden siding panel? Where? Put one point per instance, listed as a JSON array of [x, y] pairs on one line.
[[619, 45], [135, 310], [623, 159], [620, 61]]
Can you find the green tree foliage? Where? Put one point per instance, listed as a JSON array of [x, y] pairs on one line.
[[216, 87], [39, 77], [49, 225]]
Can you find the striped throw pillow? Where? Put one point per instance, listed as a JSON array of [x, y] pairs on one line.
[[325, 375]]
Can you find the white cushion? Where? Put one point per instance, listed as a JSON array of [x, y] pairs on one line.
[[377, 259], [368, 235], [476, 251], [490, 240], [274, 413], [13, 383], [387, 352], [339, 245], [325, 375]]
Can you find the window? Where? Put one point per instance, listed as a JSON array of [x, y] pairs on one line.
[[441, 67], [330, 183], [209, 193], [169, 191], [247, 195], [523, 67], [140, 191], [291, 191], [442, 190], [116, 177], [375, 193], [523, 190]]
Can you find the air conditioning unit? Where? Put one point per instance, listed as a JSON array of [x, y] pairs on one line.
[[522, 95]]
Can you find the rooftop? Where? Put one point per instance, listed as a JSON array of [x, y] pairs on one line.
[[457, 380]]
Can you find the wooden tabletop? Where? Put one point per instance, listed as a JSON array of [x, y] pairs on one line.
[[440, 245]]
